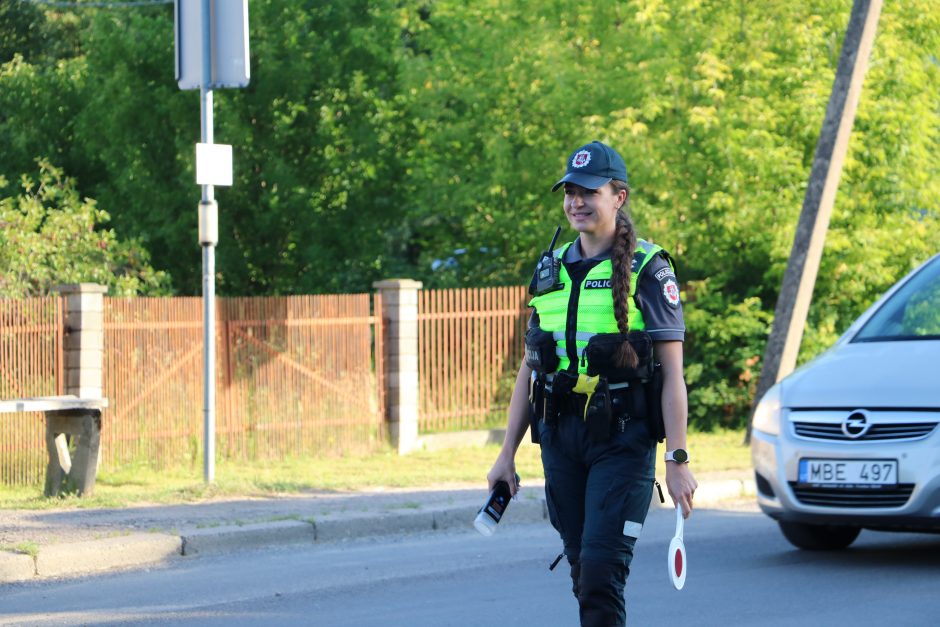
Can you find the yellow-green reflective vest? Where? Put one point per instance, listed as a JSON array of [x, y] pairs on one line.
[[595, 313]]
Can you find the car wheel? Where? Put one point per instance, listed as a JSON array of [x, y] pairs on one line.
[[819, 537]]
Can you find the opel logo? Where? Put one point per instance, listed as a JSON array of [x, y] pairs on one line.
[[856, 424]]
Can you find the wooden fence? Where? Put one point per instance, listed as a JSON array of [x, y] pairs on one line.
[[470, 345], [31, 332], [296, 375]]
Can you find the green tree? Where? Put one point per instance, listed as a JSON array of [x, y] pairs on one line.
[[420, 138], [49, 235], [317, 138], [716, 108], [35, 34], [319, 135]]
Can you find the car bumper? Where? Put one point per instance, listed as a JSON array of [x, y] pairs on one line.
[[913, 505]]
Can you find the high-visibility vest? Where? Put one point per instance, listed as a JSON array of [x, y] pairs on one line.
[[595, 305]]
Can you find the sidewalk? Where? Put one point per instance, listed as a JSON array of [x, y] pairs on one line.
[[63, 543]]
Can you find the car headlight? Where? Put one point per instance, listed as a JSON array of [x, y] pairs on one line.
[[767, 414]]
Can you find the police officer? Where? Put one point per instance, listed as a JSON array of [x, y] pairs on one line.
[[602, 378]]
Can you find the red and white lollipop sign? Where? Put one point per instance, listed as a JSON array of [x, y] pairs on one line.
[[676, 560]]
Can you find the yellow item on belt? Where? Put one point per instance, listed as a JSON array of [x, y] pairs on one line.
[[586, 385]]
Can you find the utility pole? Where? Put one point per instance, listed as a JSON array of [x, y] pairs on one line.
[[796, 293]]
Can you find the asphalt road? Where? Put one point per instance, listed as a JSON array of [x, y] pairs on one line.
[[741, 572]]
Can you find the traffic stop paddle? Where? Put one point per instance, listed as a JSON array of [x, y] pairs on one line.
[[676, 561]]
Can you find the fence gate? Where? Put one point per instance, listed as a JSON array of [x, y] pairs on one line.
[[299, 376], [153, 381], [296, 376]]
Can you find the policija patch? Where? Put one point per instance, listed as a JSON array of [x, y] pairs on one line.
[[597, 284], [667, 280], [671, 292]]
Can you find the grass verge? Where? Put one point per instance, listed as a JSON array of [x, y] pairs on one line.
[[711, 452]]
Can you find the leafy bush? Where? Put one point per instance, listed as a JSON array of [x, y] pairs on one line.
[[49, 236]]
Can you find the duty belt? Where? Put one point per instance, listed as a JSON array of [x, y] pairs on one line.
[[613, 386]]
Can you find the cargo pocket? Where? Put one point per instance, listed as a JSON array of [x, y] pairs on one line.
[[553, 516], [636, 505]]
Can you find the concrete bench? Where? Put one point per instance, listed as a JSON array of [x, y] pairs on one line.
[[67, 416]]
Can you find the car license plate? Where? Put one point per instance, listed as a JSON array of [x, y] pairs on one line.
[[849, 472]]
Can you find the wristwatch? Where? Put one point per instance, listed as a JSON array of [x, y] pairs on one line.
[[679, 456]]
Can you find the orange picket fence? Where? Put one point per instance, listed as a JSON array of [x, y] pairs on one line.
[[296, 375], [31, 333], [470, 346]]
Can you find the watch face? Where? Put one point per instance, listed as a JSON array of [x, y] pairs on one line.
[[680, 456]]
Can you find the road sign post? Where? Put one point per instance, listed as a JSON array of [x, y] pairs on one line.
[[211, 52]]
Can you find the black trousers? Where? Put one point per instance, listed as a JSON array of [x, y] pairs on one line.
[[598, 495]]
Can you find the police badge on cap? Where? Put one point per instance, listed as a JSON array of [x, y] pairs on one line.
[[581, 159], [592, 166]]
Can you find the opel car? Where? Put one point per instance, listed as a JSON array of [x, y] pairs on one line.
[[850, 441]]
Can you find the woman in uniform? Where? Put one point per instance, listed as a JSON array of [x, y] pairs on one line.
[[601, 383]]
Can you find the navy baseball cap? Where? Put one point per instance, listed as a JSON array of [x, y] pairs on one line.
[[592, 166]]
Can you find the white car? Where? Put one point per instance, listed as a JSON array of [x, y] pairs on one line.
[[850, 440]]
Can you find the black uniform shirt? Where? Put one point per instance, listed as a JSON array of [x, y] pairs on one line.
[[657, 295]]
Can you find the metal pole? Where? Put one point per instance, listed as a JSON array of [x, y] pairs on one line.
[[792, 308], [208, 258]]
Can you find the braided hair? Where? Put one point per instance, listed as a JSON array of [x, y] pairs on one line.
[[622, 260]]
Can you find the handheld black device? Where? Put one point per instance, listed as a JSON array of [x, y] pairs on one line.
[[494, 508], [548, 269]]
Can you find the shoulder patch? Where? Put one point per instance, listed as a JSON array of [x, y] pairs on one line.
[[662, 273], [670, 290]]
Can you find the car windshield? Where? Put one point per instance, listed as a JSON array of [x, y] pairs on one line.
[[912, 313]]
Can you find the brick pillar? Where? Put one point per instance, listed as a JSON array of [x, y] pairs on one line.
[[84, 338], [400, 315]]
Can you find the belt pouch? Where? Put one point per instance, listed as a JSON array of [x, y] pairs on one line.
[[653, 391], [549, 408], [540, 352], [621, 407], [536, 406], [559, 397], [602, 349], [635, 400], [597, 414]]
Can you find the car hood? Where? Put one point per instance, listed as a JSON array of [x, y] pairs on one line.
[[868, 374]]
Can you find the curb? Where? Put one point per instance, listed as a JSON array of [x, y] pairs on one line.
[[223, 538], [136, 549], [16, 567], [433, 519], [148, 549]]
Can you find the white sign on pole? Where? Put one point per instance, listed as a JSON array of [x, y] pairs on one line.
[[213, 164], [229, 26]]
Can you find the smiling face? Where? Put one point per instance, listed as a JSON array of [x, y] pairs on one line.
[[593, 211]]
